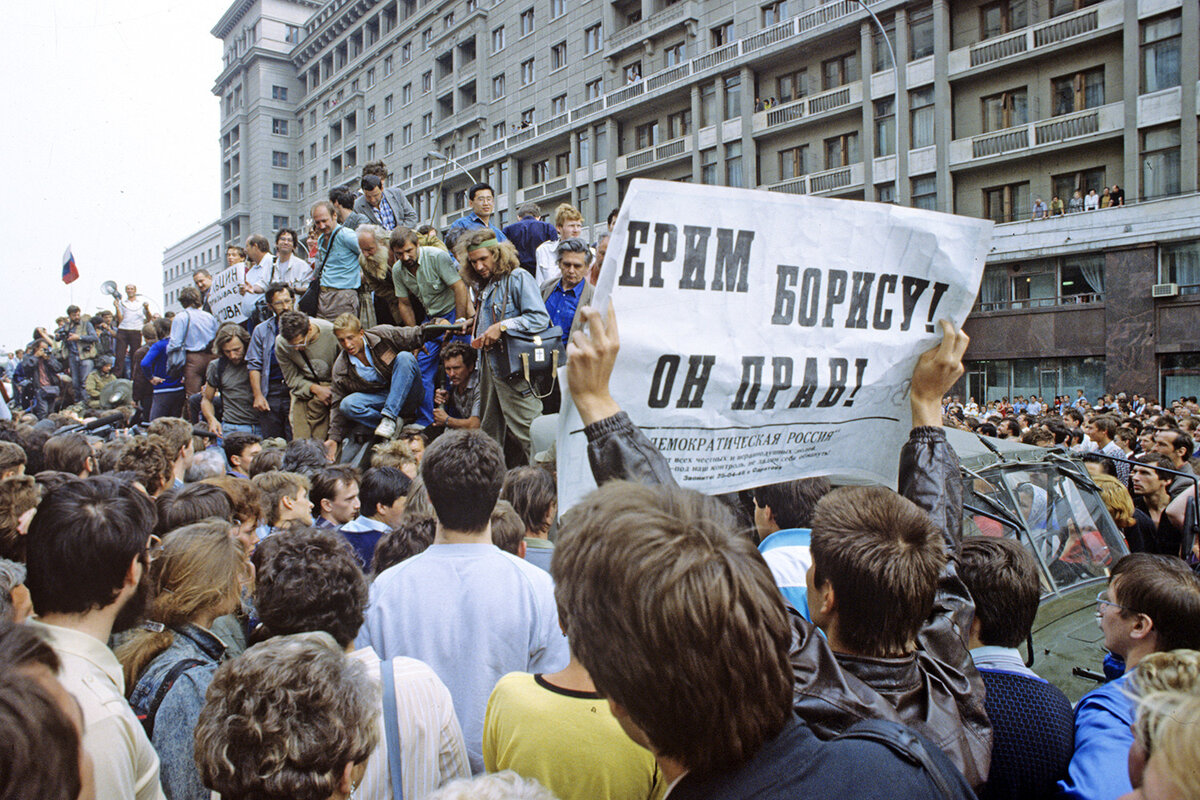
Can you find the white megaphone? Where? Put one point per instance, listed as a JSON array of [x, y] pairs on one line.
[[110, 288]]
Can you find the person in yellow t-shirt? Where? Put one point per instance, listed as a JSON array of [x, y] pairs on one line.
[[557, 729]]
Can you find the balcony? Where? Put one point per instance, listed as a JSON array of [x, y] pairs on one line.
[[1038, 39], [654, 156], [540, 191], [832, 181], [669, 17], [1024, 139], [825, 104]]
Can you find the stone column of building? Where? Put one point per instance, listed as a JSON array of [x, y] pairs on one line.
[[1132, 71], [749, 145], [510, 189], [1129, 358], [572, 167], [612, 139], [720, 115], [866, 37], [696, 161], [1189, 74], [941, 102], [903, 123]]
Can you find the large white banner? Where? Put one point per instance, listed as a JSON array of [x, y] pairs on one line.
[[767, 337], [224, 298]]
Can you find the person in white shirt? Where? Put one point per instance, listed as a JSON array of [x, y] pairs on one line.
[[260, 273], [1092, 201], [132, 315], [569, 223], [105, 525], [290, 268]]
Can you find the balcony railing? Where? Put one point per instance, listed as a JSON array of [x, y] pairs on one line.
[[843, 97], [1084, 298], [1039, 37], [653, 155], [1087, 123], [831, 180]]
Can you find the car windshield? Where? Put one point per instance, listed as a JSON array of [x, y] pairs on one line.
[[1060, 514]]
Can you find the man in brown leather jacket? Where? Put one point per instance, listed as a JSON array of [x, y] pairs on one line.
[[932, 685]]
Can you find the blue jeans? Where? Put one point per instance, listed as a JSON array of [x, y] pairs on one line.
[[403, 398], [429, 358], [80, 369], [233, 427]]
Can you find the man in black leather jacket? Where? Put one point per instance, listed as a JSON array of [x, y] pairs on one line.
[[935, 689]]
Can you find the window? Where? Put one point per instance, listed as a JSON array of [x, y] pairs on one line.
[[498, 86], [1005, 110], [312, 151], [1066, 184], [388, 106], [279, 93], [733, 97], [312, 184], [585, 148], [539, 171], [674, 55], [793, 162], [562, 164], [557, 8], [920, 33], [498, 131], [558, 105], [406, 134], [591, 39], [388, 66], [1003, 16], [721, 35], [1160, 161], [527, 22], [1078, 92], [839, 71], [291, 34], [427, 124], [774, 13], [1007, 203], [279, 126], [558, 56], [593, 89], [371, 152], [708, 104], [406, 52], [279, 191], [300, 158], [325, 143], [527, 72], [406, 94], [601, 143], [885, 193], [881, 57], [370, 115], [708, 166], [1180, 263], [792, 86], [406, 172], [427, 82], [473, 142], [498, 39], [733, 164], [921, 116], [679, 124], [924, 193], [1059, 7], [1160, 53], [279, 158], [885, 127], [389, 143], [427, 38], [646, 135], [633, 72], [448, 21], [841, 151], [370, 77]]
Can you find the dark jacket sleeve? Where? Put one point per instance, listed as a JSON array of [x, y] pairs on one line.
[[340, 376], [618, 450], [402, 339]]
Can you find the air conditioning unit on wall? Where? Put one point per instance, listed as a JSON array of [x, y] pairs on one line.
[[1165, 290]]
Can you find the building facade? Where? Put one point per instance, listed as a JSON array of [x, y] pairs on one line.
[[989, 107], [204, 249]]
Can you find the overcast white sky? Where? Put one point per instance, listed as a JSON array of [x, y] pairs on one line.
[[109, 143]]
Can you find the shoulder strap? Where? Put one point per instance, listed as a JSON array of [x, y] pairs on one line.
[[168, 681], [904, 743], [391, 727]]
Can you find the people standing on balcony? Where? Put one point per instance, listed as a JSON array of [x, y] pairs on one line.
[[1105, 198], [1039, 209], [1117, 195], [1075, 204], [1056, 206], [1092, 201]]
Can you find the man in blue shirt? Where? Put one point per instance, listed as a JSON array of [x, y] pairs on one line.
[[194, 329], [782, 515], [483, 203], [272, 400], [527, 233], [565, 296], [337, 258]]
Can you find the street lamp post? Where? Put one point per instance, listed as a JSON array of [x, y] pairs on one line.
[[895, 82]]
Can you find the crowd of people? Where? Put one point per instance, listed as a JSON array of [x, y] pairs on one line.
[[319, 555]]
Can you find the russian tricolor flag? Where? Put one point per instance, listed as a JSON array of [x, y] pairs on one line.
[[70, 273]]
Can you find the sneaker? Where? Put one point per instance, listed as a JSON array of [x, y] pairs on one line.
[[386, 428]]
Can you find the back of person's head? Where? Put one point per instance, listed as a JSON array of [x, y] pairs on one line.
[[268, 460], [40, 755], [508, 531], [68, 452], [190, 297], [82, 543], [792, 502], [1168, 671], [244, 497], [175, 430], [533, 495], [342, 196], [19, 495], [206, 464], [274, 486], [150, 458], [1105, 465], [395, 453], [678, 621], [12, 456], [462, 472], [22, 647], [1116, 499], [506, 785], [309, 580], [34, 440], [1167, 744], [201, 570], [1002, 577], [293, 324], [284, 720], [381, 486], [192, 503], [162, 328], [1163, 588], [882, 555], [305, 456], [414, 535], [12, 576]]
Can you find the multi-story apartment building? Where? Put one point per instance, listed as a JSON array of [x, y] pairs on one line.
[[990, 106], [201, 250]]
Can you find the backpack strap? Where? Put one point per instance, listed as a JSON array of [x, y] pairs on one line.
[[172, 675], [904, 743], [391, 727]]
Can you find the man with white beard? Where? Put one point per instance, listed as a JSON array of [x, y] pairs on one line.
[[377, 274]]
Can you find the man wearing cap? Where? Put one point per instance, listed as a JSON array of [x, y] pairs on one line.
[[98, 380]]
